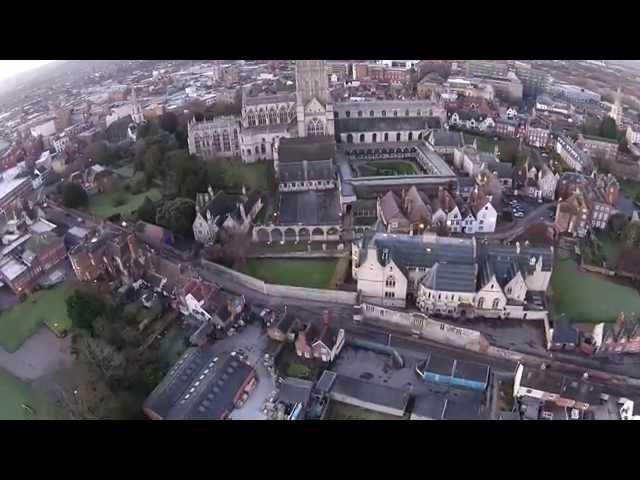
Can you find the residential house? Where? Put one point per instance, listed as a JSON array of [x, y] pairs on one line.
[[572, 155], [284, 327], [470, 120], [537, 133], [507, 128], [573, 215], [233, 213], [408, 214], [623, 337], [391, 215], [444, 142], [323, 343]]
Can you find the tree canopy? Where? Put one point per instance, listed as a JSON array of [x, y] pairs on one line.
[[177, 215], [147, 211], [73, 195], [84, 308]]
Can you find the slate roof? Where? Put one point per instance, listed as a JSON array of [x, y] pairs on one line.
[[284, 97], [452, 277], [306, 148], [295, 390], [380, 124], [413, 251], [564, 332], [313, 207], [197, 388], [503, 169], [370, 392], [546, 381], [446, 138]]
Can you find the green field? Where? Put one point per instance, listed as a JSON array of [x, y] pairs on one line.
[[23, 320], [342, 411], [313, 273], [14, 394], [254, 176], [590, 298], [485, 144], [630, 188], [103, 204], [386, 169]]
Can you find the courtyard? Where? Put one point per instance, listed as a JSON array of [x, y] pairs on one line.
[[23, 320], [104, 205], [590, 298], [312, 273], [376, 168]]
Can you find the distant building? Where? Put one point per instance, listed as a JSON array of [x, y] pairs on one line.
[[598, 147]]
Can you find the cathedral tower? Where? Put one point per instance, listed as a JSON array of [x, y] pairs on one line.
[[314, 104]]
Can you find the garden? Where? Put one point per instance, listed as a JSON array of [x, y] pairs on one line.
[[43, 307], [312, 273], [120, 201], [590, 298], [386, 168], [19, 401], [343, 411]]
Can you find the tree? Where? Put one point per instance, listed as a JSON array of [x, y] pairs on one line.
[[231, 251], [73, 195], [177, 215], [84, 308], [608, 128], [169, 122], [99, 353], [631, 234], [147, 211], [617, 224]]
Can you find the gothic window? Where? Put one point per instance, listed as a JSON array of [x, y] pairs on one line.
[[251, 118], [273, 116], [410, 136], [496, 303], [263, 149], [292, 113], [360, 113], [347, 114], [315, 127], [420, 136], [371, 114], [384, 113], [216, 142], [236, 140], [349, 138], [257, 150], [336, 115], [418, 113], [362, 138], [386, 136], [262, 118], [398, 136], [374, 137], [406, 113], [225, 141], [395, 113], [480, 302], [283, 115]]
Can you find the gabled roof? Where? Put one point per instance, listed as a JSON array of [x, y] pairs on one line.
[[306, 148], [447, 138], [452, 277]]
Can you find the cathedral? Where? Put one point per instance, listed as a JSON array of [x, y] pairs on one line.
[[265, 119]]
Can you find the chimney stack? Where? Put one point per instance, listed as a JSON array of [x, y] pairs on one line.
[[326, 317]]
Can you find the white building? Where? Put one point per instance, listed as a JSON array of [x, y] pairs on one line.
[[452, 276]]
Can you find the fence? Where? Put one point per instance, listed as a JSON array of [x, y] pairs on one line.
[[313, 294]]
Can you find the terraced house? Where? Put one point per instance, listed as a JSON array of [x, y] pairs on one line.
[[452, 276]]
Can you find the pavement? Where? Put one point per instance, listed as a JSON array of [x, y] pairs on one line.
[[41, 354]]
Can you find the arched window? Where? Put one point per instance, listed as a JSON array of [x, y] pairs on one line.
[[257, 150], [362, 138], [418, 113], [384, 113], [347, 114], [273, 116], [283, 115], [398, 136], [496, 304], [251, 118], [374, 137], [371, 114], [262, 117], [410, 136], [360, 113], [315, 127], [406, 113], [386, 136], [395, 113], [349, 138], [420, 136], [216, 141], [391, 281], [263, 148], [480, 302], [225, 141]]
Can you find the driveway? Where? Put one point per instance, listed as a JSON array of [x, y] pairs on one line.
[[41, 354]]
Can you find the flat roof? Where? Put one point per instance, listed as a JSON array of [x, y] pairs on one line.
[[8, 186], [12, 268]]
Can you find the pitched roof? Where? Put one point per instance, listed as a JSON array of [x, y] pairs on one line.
[[306, 148], [380, 124], [447, 138]]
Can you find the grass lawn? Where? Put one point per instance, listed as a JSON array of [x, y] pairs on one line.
[[485, 144], [23, 320], [255, 176], [630, 188], [14, 393], [610, 248], [386, 169], [343, 411], [313, 273], [590, 298], [102, 204]]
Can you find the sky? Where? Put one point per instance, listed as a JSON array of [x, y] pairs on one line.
[[8, 68]]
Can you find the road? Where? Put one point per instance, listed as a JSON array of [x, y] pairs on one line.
[[536, 215]]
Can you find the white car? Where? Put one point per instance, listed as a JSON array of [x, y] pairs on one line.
[[518, 214]]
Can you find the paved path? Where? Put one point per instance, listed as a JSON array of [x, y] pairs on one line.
[[41, 354]]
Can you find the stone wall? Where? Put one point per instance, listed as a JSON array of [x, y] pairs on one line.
[[285, 291]]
